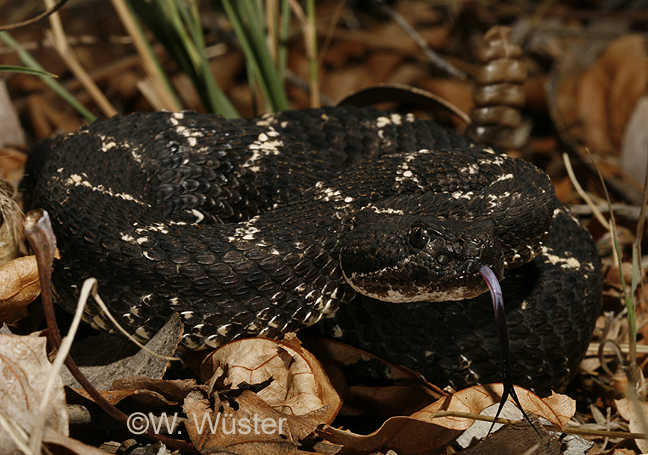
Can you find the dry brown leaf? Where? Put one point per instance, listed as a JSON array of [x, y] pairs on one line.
[[630, 413], [151, 398], [385, 401], [602, 97], [518, 438], [143, 392], [174, 389], [333, 351], [591, 98], [299, 384], [623, 452], [459, 92], [25, 369], [72, 446], [421, 432], [20, 285], [104, 358], [12, 164], [635, 137], [48, 116], [244, 425]]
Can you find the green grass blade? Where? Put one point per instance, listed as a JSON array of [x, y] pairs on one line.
[[29, 61], [312, 43], [25, 70], [177, 26], [214, 95], [255, 48], [268, 70], [282, 50]]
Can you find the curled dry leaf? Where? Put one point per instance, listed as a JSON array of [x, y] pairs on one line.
[[630, 412], [299, 384], [518, 438], [12, 164], [409, 392], [72, 446], [602, 97], [244, 425], [385, 401], [20, 285], [104, 358], [24, 372], [145, 393], [423, 432]]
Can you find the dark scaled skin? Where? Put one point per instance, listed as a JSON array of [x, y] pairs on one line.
[[551, 309], [415, 260], [238, 225]]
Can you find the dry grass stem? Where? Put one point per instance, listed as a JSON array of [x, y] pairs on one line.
[[158, 86], [106, 311], [60, 43]]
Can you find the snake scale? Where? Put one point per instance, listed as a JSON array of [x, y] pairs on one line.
[[374, 222]]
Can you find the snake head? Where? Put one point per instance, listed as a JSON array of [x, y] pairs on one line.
[[397, 257]]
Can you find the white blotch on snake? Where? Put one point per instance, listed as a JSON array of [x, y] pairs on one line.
[[471, 169], [265, 145], [327, 194], [187, 314], [246, 231], [497, 161], [100, 322], [393, 119], [127, 237], [405, 174], [571, 262], [460, 195], [107, 143], [199, 216], [78, 180], [266, 120], [387, 210]]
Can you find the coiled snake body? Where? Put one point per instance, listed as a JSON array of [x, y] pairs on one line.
[[263, 226]]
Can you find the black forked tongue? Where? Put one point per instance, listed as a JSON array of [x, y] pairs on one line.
[[502, 336]]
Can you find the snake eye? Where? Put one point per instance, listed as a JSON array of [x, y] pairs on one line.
[[419, 236], [443, 259]]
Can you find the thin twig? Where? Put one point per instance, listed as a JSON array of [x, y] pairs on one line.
[[632, 212], [38, 429], [579, 189], [566, 430], [152, 69], [106, 311], [17, 434], [435, 58], [33, 20], [310, 36]]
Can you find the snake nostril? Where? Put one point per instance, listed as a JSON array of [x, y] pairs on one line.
[[443, 259]]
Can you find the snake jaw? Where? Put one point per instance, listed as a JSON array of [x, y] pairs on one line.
[[410, 259]]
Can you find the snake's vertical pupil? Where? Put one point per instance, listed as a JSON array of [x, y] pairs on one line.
[[419, 236]]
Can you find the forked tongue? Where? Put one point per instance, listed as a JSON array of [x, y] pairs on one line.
[[502, 336]]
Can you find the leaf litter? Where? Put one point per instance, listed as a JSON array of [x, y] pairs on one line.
[[598, 102]]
